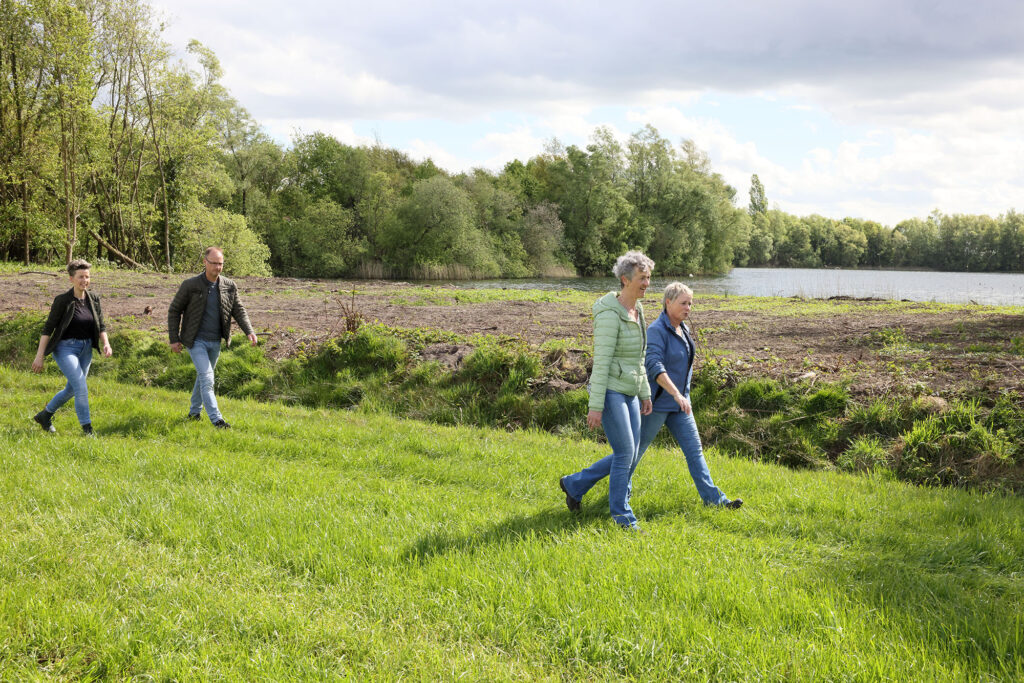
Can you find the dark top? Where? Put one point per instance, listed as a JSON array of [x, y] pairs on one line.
[[82, 322], [62, 311], [209, 329], [670, 352]]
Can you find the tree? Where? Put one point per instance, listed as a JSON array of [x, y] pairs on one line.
[[758, 201]]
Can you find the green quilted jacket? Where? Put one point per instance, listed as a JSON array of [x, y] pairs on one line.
[[619, 347]]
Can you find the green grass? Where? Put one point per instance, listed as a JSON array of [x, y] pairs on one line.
[[319, 544]]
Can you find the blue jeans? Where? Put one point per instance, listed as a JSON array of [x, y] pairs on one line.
[[73, 357], [204, 357], [621, 422], [684, 429]]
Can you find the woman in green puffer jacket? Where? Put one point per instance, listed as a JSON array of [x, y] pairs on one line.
[[619, 390]]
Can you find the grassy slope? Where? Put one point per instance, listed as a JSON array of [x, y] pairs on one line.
[[317, 543]]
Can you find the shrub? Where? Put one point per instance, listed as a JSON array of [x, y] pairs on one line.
[[829, 401], [864, 454], [762, 395]]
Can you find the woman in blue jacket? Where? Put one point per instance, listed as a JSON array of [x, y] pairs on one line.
[[669, 362]]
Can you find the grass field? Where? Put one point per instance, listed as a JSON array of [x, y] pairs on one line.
[[322, 544]]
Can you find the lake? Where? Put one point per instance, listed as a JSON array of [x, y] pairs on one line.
[[981, 288]]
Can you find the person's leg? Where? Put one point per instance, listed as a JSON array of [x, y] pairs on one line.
[[66, 359], [650, 425], [73, 357], [578, 483], [621, 420], [684, 429], [204, 356]]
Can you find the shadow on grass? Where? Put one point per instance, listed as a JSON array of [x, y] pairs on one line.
[[548, 522]]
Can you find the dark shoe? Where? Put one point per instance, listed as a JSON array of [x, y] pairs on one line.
[[221, 424], [194, 418], [87, 430], [735, 504], [43, 418], [570, 502], [634, 528]]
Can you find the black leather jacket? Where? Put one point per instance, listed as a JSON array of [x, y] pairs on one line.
[[62, 310]]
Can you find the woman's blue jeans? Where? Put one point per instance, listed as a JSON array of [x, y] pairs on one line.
[[204, 357], [621, 422], [684, 429], [73, 357]]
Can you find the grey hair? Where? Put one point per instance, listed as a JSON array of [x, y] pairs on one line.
[[206, 252], [630, 262], [674, 289], [77, 265]]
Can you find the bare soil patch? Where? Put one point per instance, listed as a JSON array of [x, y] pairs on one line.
[[921, 351]]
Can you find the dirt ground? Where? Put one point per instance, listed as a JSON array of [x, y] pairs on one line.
[[951, 351]]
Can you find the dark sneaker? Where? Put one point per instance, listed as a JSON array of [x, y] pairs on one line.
[[87, 430], [221, 424], [735, 504], [570, 502], [194, 417], [43, 419]]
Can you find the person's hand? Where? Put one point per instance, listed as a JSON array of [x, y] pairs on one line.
[[176, 347], [594, 419], [107, 351], [252, 339], [37, 364], [646, 407], [684, 403]]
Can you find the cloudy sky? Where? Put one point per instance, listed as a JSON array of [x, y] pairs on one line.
[[882, 110]]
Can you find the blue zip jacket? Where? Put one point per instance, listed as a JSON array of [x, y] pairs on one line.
[[669, 352]]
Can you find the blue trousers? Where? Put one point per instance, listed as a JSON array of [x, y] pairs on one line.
[[684, 429], [621, 422], [204, 357], [73, 357]]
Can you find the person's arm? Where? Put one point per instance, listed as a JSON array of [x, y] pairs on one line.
[[666, 383], [241, 317], [37, 363], [102, 326], [174, 312], [105, 345], [52, 321], [606, 334]]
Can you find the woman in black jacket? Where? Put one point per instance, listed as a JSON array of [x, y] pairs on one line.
[[72, 330]]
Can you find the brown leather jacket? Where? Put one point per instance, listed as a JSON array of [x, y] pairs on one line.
[[185, 314]]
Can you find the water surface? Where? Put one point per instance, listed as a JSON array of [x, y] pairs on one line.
[[913, 285]]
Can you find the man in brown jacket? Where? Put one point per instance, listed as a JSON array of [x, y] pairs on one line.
[[198, 318]]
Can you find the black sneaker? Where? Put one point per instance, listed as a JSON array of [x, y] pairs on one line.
[[87, 430], [44, 419], [735, 504], [570, 502], [221, 424], [194, 417]]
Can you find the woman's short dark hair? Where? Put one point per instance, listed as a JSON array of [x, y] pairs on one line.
[[77, 265]]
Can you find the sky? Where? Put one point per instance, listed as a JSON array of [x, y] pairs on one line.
[[882, 110]]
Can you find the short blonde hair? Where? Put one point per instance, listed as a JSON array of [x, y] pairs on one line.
[[673, 291], [630, 262]]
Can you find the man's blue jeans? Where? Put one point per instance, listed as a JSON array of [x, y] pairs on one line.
[[204, 357], [684, 429], [621, 422], [73, 357]]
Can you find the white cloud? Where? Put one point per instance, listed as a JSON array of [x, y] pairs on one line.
[[928, 97]]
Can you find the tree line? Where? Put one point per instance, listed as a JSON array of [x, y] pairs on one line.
[[113, 149]]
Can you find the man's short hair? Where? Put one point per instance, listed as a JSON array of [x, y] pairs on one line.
[[206, 252]]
